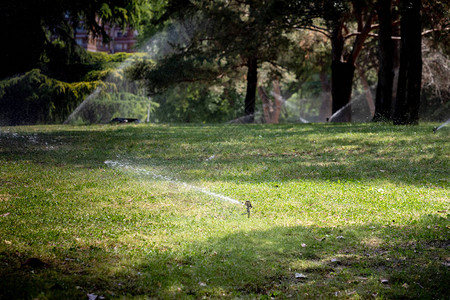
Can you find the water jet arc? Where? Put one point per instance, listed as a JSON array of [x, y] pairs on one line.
[[124, 165]]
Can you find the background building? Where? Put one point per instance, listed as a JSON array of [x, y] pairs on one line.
[[121, 40]]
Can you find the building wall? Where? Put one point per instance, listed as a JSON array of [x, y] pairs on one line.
[[121, 40]]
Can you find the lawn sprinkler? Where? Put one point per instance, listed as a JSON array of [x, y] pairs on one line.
[[249, 206], [439, 127]]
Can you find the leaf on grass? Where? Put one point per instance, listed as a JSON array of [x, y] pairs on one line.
[[300, 276], [211, 157], [95, 297], [303, 245], [340, 237], [361, 278], [92, 296], [201, 284], [5, 215], [384, 281]]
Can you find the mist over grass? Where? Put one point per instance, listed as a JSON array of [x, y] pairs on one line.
[[339, 210]]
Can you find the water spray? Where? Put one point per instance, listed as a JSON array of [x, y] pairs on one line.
[[285, 103], [335, 117], [127, 166], [82, 105], [339, 112]]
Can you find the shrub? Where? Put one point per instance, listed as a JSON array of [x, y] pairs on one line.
[[34, 98]]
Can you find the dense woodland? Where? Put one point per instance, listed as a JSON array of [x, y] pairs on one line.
[[215, 61]]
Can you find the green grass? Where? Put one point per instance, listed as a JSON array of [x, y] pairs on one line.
[[362, 210]]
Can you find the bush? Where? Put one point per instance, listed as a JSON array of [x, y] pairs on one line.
[[34, 98]]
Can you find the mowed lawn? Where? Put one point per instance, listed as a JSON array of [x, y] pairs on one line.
[[354, 211]]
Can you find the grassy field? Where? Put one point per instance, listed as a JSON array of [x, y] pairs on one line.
[[353, 211]]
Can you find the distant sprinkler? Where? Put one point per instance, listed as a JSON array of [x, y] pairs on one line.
[[439, 127]]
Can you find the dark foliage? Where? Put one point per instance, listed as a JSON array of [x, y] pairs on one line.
[[31, 25], [34, 98]]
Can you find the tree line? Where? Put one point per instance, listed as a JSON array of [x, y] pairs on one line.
[[229, 41], [232, 34]]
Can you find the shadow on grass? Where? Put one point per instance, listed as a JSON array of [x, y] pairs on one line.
[[333, 261], [301, 262]]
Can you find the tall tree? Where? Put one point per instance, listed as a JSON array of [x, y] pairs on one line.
[[227, 35], [339, 17], [29, 26], [406, 110], [383, 100]]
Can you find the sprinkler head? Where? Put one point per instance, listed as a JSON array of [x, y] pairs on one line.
[[249, 206], [435, 129]]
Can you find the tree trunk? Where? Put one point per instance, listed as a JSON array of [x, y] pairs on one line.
[[341, 75], [343, 67], [250, 96], [267, 105], [271, 109], [341, 89], [325, 107], [383, 99], [406, 110], [396, 67]]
